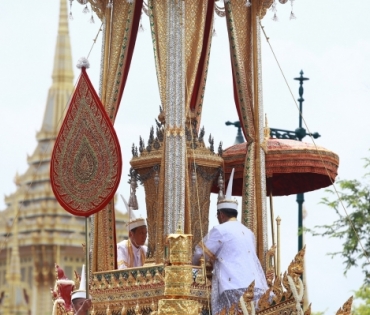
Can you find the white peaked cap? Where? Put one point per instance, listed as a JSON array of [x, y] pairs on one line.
[[228, 202], [133, 221], [81, 292]]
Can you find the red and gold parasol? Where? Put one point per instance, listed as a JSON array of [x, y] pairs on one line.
[[292, 167]]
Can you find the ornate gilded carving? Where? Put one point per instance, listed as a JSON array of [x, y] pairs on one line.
[[346, 308], [249, 293], [286, 308], [178, 280], [277, 289], [296, 267], [170, 307], [201, 162], [308, 310], [270, 266], [180, 246], [264, 301]]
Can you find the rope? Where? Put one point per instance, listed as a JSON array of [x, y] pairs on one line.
[[94, 41], [198, 203], [312, 139]]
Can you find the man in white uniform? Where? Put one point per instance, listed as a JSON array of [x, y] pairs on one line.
[[230, 247], [132, 252]]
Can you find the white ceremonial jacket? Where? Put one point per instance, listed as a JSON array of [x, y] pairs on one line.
[[123, 256], [231, 248]]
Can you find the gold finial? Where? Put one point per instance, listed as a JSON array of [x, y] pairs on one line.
[[266, 137], [266, 129], [179, 229], [162, 116]]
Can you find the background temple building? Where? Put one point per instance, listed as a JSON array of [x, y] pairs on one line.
[[35, 231]]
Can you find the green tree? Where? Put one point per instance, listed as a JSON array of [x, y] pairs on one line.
[[362, 294], [355, 227]]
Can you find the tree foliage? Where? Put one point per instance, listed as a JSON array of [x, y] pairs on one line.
[[353, 229], [362, 294]]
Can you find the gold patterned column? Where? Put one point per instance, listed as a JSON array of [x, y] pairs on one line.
[[178, 278]]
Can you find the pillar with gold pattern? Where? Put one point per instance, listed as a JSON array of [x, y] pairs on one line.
[[178, 278]]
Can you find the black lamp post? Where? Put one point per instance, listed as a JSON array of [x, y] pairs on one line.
[[239, 136], [297, 134]]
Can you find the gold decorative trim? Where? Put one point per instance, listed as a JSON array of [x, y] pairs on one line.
[[178, 307]]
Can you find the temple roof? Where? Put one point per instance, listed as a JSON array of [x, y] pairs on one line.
[[40, 217], [62, 86]]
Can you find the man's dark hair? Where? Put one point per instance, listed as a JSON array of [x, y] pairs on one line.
[[230, 213]]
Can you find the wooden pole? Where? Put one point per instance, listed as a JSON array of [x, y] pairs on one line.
[[273, 229], [278, 220], [87, 251]]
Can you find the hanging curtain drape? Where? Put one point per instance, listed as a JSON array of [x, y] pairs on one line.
[[199, 26], [243, 29], [121, 24]]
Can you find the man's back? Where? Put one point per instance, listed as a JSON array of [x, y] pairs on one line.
[[236, 264]]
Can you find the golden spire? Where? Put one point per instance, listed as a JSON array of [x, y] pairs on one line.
[[62, 86], [63, 71]]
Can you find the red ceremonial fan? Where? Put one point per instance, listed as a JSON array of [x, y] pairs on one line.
[[86, 162]]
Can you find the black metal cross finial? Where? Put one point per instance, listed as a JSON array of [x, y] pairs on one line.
[[239, 137], [301, 79]]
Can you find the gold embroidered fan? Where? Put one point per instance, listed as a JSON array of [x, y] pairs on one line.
[[86, 162]]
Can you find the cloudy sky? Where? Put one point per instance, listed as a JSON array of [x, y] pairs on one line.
[[329, 41]]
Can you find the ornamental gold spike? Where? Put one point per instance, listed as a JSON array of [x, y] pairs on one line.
[[308, 310], [264, 301], [296, 267], [277, 289], [249, 293], [346, 308]]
